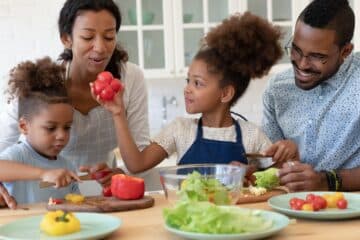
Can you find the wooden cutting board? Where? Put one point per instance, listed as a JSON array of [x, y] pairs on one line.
[[247, 197], [104, 204]]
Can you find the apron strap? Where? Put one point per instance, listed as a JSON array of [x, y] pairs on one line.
[[199, 133]]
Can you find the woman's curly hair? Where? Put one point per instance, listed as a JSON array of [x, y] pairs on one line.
[[240, 48], [37, 84]]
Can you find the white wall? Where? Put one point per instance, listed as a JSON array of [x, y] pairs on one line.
[[28, 31]]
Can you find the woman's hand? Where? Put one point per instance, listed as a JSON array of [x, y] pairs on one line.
[[61, 177], [282, 151], [101, 173], [5, 199], [116, 106]]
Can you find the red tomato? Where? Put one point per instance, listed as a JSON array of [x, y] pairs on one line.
[[57, 201], [127, 187], [293, 201], [116, 85], [100, 174], [106, 77], [106, 191], [107, 94], [342, 204]]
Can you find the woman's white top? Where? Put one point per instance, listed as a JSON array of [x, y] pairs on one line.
[[93, 138], [180, 134]]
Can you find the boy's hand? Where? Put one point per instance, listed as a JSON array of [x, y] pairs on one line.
[[61, 177], [282, 151], [101, 173]]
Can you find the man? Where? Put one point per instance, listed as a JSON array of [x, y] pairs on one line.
[[320, 111]]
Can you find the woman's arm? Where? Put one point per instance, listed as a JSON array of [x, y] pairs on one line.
[[9, 133]]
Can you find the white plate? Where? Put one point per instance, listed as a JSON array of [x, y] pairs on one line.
[[93, 226], [281, 204], [279, 222]]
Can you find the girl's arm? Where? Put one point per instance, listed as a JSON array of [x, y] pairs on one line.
[[135, 160], [14, 171]]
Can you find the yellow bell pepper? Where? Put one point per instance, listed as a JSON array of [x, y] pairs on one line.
[[57, 223], [74, 198]]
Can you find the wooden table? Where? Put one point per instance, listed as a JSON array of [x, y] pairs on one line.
[[148, 224]]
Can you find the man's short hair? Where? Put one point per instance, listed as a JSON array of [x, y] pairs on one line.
[[331, 14]]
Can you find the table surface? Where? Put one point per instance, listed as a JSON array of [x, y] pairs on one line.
[[148, 223]]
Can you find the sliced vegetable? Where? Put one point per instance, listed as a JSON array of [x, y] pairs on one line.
[[58, 223], [267, 179]]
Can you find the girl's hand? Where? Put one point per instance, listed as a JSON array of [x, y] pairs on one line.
[[116, 106], [250, 169], [61, 177], [101, 173], [282, 151]]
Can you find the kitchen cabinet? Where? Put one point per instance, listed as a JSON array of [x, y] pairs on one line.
[[162, 36]]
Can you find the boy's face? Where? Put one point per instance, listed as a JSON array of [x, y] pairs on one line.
[[49, 130], [202, 92]]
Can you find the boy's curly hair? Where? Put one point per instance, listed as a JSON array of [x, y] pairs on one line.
[[331, 14], [240, 48], [37, 84]]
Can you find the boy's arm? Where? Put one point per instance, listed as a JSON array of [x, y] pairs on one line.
[[14, 171]]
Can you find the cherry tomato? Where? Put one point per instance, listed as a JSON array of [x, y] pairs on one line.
[[106, 191], [320, 201], [293, 201], [57, 201], [116, 85], [338, 196], [330, 200], [299, 203], [307, 207], [107, 94], [99, 86], [310, 197], [106, 77], [342, 204]]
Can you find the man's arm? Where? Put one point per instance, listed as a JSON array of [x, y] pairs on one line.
[[350, 179], [270, 125]]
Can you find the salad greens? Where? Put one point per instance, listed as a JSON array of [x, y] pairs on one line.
[[206, 217], [267, 179], [199, 188]]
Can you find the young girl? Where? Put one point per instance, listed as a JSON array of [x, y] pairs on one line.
[[45, 118], [242, 47]]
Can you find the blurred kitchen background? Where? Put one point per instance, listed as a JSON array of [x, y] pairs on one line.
[[161, 36]]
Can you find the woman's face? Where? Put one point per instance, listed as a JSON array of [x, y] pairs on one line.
[[93, 40]]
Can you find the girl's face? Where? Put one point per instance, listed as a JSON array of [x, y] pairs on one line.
[[93, 40], [202, 92], [49, 130]]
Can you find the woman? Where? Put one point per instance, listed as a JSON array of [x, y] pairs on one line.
[[88, 30]]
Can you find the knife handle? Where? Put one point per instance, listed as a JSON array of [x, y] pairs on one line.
[[46, 184]]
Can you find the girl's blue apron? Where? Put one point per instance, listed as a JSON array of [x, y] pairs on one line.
[[214, 151]]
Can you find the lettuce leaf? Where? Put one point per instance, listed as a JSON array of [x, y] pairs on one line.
[[206, 217], [267, 179]]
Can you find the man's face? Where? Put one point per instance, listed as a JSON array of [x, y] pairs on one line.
[[315, 56]]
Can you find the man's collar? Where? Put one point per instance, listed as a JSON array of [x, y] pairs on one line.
[[338, 78]]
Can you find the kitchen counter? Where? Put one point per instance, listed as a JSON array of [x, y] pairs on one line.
[[148, 223]]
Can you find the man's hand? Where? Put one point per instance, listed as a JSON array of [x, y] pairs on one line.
[[101, 172], [301, 177], [5, 199], [282, 151]]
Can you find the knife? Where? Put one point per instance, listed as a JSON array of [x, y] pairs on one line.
[[259, 160], [43, 184]]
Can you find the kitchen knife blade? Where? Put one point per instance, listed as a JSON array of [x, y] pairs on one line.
[[85, 177]]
